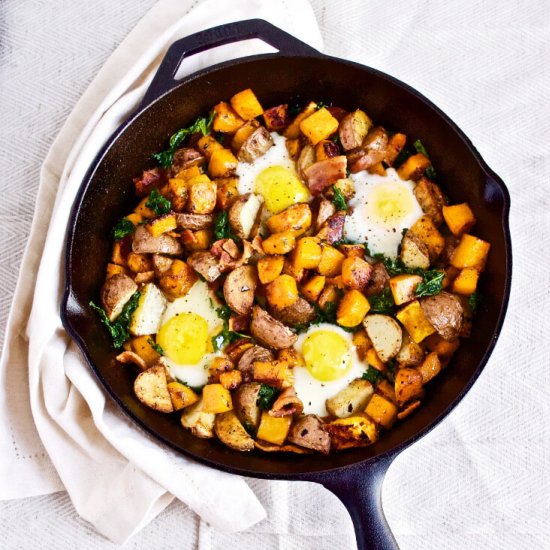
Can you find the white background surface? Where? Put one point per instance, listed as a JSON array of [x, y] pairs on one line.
[[479, 479]]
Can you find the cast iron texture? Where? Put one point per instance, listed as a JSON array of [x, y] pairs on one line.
[[297, 72]]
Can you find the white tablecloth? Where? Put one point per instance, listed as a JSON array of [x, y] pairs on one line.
[[481, 478]]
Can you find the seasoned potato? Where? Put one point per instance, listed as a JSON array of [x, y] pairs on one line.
[[372, 150], [244, 213], [255, 145], [326, 149], [146, 317], [324, 173], [151, 388], [270, 332], [239, 288], [410, 354], [206, 264], [353, 129], [431, 199], [131, 358], [202, 193], [198, 421], [430, 367], [308, 431], [354, 431], [231, 432], [408, 385], [145, 243], [177, 280], [395, 146], [282, 292], [296, 218], [115, 294], [425, 229], [414, 252], [245, 403], [276, 118], [356, 273], [385, 334], [351, 400], [300, 312], [445, 313]]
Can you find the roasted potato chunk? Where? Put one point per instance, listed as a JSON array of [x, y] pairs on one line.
[[177, 280], [151, 388], [385, 334], [351, 400], [200, 423], [115, 294], [231, 432], [239, 288]]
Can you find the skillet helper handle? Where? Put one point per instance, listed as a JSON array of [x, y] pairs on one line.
[[164, 81], [360, 489]]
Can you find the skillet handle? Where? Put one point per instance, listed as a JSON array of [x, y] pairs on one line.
[[360, 489], [164, 81]]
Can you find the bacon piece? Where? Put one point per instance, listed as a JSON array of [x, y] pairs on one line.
[[324, 173], [149, 180]]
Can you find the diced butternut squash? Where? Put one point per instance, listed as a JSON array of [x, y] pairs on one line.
[[395, 145], [246, 104], [470, 252], [231, 380], [329, 295], [202, 239], [226, 119], [190, 172], [139, 263], [293, 130], [385, 389], [374, 361], [382, 411], [362, 344], [207, 145], [430, 367], [202, 195], [143, 210], [297, 273], [413, 319], [331, 262], [177, 280], [444, 348], [459, 218], [163, 224], [307, 253], [352, 250], [403, 288], [273, 429], [134, 218], [354, 431], [282, 292], [377, 168], [465, 282], [216, 399], [181, 395], [291, 357], [313, 287], [325, 149], [222, 164], [227, 191], [414, 167], [115, 269], [279, 243], [276, 118], [178, 193], [273, 373], [352, 309], [356, 273], [425, 229], [318, 126], [269, 268], [408, 385], [218, 366], [119, 254], [296, 218], [142, 345]]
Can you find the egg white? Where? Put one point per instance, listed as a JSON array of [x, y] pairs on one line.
[[313, 392], [362, 225], [201, 301], [276, 155]]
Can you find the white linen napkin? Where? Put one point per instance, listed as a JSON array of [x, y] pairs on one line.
[[118, 478]]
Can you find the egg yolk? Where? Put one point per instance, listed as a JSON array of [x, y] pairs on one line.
[[280, 188], [326, 355], [389, 203], [184, 338]]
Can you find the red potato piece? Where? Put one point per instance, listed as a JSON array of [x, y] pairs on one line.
[[445, 312], [145, 243], [185, 158], [308, 432], [270, 332], [256, 145], [194, 222], [371, 152], [149, 180], [300, 312], [251, 356], [205, 264], [239, 288], [324, 173], [324, 212], [115, 293]]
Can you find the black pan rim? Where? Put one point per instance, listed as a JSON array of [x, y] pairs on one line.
[[391, 453]]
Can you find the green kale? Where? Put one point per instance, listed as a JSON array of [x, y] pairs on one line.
[[336, 244], [224, 312], [266, 396], [431, 284], [322, 105], [403, 155], [119, 328], [475, 301], [155, 346], [419, 146], [338, 199], [226, 337], [372, 375], [122, 228], [157, 203], [222, 229], [382, 303], [391, 367], [196, 389], [201, 124]]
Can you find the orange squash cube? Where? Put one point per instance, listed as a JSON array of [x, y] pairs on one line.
[[226, 119], [459, 218], [246, 104], [382, 411], [293, 130], [466, 281], [318, 126], [216, 399], [307, 253], [312, 288], [269, 268], [279, 243], [282, 292], [222, 164], [352, 309], [470, 252], [413, 319], [414, 167], [273, 429], [181, 395], [161, 225], [403, 288], [331, 262]]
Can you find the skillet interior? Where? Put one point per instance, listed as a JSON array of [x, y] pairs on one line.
[[108, 195]]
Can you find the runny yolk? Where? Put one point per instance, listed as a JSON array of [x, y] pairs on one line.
[[184, 338], [327, 355]]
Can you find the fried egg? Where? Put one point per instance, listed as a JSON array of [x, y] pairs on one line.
[[274, 177], [383, 206], [185, 335], [331, 364]]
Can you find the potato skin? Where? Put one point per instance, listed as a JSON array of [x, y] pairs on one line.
[[116, 291], [270, 332], [231, 432], [145, 243], [308, 432], [300, 312], [239, 288], [444, 311], [199, 422], [245, 404]]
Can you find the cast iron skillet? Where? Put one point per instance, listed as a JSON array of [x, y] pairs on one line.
[[297, 71]]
